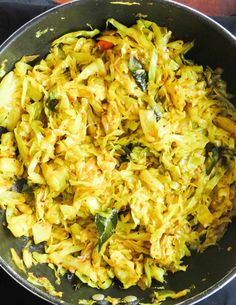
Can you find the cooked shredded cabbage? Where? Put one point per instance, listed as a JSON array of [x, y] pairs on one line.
[[128, 132]]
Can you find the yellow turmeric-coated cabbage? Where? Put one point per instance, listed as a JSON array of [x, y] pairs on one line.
[[124, 151]]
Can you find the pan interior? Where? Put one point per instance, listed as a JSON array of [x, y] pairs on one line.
[[214, 47]]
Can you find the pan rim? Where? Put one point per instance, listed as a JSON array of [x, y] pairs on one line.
[[57, 8], [208, 20]]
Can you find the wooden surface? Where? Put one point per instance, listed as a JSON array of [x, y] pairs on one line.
[[213, 7], [209, 7]]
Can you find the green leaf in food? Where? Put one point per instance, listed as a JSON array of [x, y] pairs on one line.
[[127, 149], [106, 225], [3, 130], [18, 185], [213, 154], [21, 186], [157, 115], [51, 103], [138, 72]]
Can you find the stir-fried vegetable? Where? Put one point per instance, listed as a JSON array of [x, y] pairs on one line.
[[226, 123], [117, 156]]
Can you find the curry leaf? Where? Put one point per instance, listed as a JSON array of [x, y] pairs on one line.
[[3, 130], [213, 154], [106, 225], [21, 186], [51, 103], [138, 72], [126, 151], [18, 185]]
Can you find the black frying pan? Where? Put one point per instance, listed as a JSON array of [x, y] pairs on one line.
[[214, 46]]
